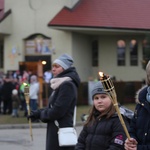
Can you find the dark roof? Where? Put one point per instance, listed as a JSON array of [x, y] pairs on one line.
[[128, 14]]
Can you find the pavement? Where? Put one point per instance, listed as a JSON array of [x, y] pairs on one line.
[[20, 139]]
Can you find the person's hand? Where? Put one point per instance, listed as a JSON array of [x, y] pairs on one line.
[[34, 115], [130, 144]]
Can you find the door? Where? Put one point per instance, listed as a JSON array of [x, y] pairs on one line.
[[28, 66]]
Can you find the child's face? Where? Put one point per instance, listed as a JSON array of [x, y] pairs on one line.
[[102, 102]]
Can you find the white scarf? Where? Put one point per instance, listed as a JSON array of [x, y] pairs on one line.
[[56, 82]]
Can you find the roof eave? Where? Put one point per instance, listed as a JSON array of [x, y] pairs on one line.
[[6, 23], [100, 29]]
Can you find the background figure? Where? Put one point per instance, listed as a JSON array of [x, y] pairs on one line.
[[103, 129], [25, 75], [61, 102], [48, 76], [1, 84], [15, 103], [16, 75], [22, 97], [34, 91], [6, 94], [140, 124], [16, 83], [29, 75]]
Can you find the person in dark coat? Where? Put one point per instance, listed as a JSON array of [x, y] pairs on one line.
[[6, 90], [62, 101], [1, 100], [102, 129], [140, 124]]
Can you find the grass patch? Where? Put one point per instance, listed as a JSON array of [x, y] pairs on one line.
[[130, 106], [82, 110], [8, 119]]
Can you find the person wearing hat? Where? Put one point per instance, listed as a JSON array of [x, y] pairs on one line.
[[15, 103], [140, 124], [62, 101], [102, 129]]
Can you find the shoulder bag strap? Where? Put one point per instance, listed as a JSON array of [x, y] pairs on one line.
[[74, 118]]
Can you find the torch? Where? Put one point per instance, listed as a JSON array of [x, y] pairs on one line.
[[26, 93], [109, 87]]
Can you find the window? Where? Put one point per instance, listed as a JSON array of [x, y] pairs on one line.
[[146, 51], [95, 53], [133, 53], [144, 44], [1, 56], [121, 53]]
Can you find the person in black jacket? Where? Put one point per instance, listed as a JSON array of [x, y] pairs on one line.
[[1, 84], [102, 130], [62, 101], [140, 124], [6, 92]]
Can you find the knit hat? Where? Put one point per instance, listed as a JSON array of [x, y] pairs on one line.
[[148, 72], [14, 92], [98, 89], [64, 61], [33, 78]]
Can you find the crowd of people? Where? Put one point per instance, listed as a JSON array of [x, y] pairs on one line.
[[103, 128], [12, 97]]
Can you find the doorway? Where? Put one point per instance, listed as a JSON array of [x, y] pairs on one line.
[[28, 66], [46, 58]]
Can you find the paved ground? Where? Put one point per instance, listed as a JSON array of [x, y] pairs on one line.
[[17, 137]]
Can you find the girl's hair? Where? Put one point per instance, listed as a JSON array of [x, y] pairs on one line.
[[92, 115]]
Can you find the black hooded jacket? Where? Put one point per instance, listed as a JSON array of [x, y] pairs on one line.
[[104, 134], [61, 108], [140, 124]]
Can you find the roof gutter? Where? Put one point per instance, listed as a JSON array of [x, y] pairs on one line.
[[6, 23], [100, 29]]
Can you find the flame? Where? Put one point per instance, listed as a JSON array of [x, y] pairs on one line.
[[25, 84], [101, 74]]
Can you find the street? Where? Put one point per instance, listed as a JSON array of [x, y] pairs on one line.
[[19, 139]]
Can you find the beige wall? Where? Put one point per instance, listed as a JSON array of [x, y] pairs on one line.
[[82, 55], [31, 19], [108, 59], [28, 20]]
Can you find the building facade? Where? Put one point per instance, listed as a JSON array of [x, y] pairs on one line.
[[41, 30]]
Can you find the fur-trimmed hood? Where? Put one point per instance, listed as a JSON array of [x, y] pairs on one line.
[[140, 96]]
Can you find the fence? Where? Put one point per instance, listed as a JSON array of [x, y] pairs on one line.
[[125, 92]]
